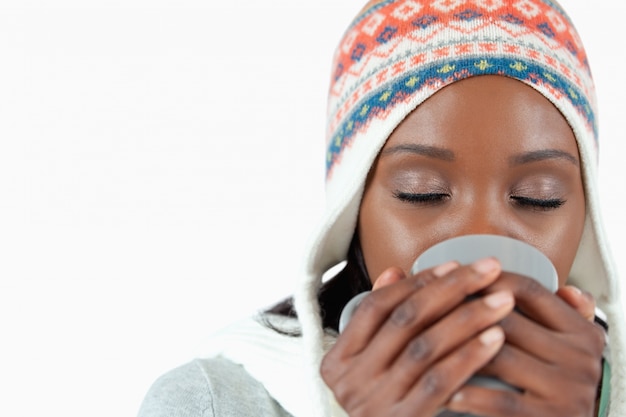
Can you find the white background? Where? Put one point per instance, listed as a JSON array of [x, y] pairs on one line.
[[161, 166]]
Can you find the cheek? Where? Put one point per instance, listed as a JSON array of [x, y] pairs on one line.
[[388, 235], [561, 242]]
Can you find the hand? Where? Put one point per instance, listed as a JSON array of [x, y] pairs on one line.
[[413, 343], [552, 353]]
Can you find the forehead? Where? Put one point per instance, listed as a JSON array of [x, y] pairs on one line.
[[489, 112]]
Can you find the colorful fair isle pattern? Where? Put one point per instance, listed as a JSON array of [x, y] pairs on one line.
[[395, 49]]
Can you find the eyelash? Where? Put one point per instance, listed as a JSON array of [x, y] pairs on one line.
[[426, 198], [538, 204], [525, 202]]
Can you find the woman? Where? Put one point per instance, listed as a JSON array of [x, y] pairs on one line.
[[446, 118]]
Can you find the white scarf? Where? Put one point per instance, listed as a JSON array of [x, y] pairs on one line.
[[273, 359]]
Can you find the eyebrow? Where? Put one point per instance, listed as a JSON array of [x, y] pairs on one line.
[[542, 155], [425, 150]]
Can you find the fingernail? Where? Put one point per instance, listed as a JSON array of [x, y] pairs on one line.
[[486, 265], [458, 397], [491, 336], [443, 269], [576, 290], [498, 299]]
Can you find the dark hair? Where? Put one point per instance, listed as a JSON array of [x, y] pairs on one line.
[[334, 293]]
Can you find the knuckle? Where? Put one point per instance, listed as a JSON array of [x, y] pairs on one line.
[[419, 349], [598, 339], [582, 403], [360, 412], [404, 314], [508, 403], [371, 303], [593, 342], [591, 371], [344, 394], [400, 409], [532, 288], [328, 369], [357, 394], [579, 405], [421, 281], [433, 383]]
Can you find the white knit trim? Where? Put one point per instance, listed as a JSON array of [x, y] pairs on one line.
[[305, 302]]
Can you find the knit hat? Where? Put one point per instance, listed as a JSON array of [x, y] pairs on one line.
[[398, 53]]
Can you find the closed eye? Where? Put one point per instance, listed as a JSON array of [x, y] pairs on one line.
[[420, 198], [538, 203]]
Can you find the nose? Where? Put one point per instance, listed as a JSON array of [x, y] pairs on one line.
[[486, 215]]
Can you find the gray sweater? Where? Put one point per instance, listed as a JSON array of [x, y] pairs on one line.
[[205, 388]]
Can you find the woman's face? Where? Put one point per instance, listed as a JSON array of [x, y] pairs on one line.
[[484, 155]]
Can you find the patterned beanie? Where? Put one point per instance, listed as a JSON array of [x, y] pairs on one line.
[[398, 53]]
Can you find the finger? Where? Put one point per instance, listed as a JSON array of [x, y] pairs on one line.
[[395, 274], [388, 277], [338, 368], [582, 302], [481, 401], [437, 385], [422, 308], [549, 345], [376, 308], [476, 400], [532, 375], [539, 304], [448, 334]]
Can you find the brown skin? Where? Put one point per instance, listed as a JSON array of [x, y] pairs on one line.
[[484, 155]]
